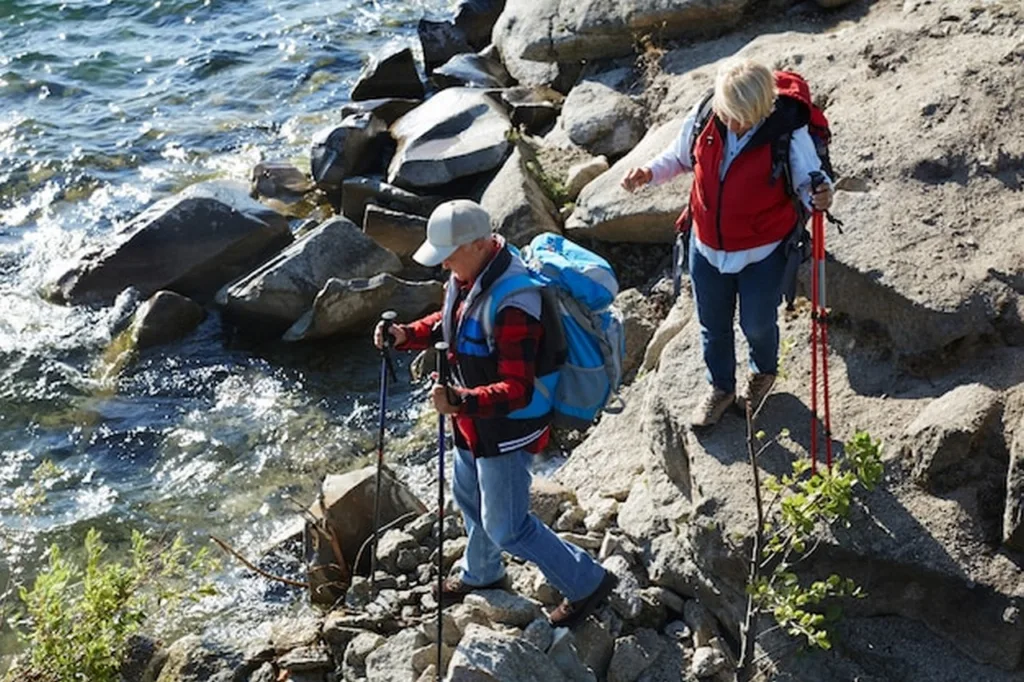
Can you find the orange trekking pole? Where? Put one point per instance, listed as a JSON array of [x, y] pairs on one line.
[[819, 333]]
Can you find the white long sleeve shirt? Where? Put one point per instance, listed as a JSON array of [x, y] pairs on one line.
[[803, 160]]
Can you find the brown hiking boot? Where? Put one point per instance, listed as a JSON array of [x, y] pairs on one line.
[[758, 388], [454, 590], [569, 614], [710, 409]]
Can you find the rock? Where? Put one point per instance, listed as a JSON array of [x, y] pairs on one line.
[[568, 30], [305, 659], [561, 76], [278, 180], [625, 598], [832, 4], [142, 660], [289, 633], [476, 18], [600, 514], [601, 120], [282, 289], [672, 601], [468, 614], [516, 202], [487, 656], [345, 150], [471, 70], [348, 507], [360, 592], [451, 633], [948, 431], [707, 661], [349, 306], [441, 40], [547, 497], [401, 233], [425, 657], [394, 75], [457, 133], [533, 107], [422, 527], [539, 633], [354, 665], [607, 212], [389, 546], [165, 317], [639, 325], [190, 659], [678, 630], [633, 655], [570, 519], [265, 673], [678, 317], [701, 623], [393, 660], [595, 644], [539, 589], [387, 109], [504, 607], [338, 636], [564, 654], [1013, 517], [591, 543], [582, 174], [358, 193], [190, 244]]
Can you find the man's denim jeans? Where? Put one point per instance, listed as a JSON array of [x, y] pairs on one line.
[[494, 496], [759, 290]]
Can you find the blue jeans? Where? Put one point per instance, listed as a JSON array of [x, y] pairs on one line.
[[494, 496], [759, 289]]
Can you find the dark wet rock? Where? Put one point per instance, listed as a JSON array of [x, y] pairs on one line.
[[357, 193], [401, 233], [388, 109], [190, 244], [278, 180], [165, 317], [476, 18], [394, 75], [533, 107], [472, 71], [345, 150], [441, 40]]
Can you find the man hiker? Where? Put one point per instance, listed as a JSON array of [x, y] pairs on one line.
[[499, 419], [741, 214]]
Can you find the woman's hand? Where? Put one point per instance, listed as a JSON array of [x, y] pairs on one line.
[[636, 178], [822, 197]]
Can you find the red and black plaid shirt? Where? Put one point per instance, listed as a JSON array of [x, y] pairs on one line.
[[517, 337]]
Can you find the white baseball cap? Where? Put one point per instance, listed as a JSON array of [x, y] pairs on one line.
[[451, 225]]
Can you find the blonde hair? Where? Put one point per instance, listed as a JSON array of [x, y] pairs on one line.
[[744, 92]]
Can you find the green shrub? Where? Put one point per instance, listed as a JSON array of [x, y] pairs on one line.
[[78, 615]]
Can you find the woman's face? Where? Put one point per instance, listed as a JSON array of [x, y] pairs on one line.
[[736, 127]]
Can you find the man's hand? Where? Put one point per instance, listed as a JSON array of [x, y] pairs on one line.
[[439, 396], [822, 198], [636, 178], [396, 331]]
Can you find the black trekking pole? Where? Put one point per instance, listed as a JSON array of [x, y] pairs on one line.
[[386, 367], [442, 377]]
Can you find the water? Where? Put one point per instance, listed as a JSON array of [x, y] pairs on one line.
[[105, 107]]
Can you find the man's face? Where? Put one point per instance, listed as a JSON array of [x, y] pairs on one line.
[[467, 260]]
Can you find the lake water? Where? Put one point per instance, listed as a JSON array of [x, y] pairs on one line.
[[105, 107]]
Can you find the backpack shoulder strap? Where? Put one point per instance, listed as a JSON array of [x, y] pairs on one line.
[[704, 114]]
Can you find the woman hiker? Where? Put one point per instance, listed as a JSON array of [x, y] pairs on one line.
[[499, 419], [740, 217]]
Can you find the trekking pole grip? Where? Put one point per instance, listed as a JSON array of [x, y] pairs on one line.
[[388, 318]]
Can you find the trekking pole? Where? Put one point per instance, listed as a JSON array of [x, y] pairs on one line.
[[386, 367], [442, 377], [819, 328]]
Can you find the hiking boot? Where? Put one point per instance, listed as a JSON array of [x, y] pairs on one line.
[[569, 614], [758, 387], [454, 590], [709, 410]]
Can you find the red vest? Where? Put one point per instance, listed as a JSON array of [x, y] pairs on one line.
[[746, 209]]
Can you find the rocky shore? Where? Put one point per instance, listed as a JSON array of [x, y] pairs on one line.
[[536, 109]]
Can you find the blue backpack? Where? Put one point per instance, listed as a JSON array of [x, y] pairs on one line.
[[584, 288]]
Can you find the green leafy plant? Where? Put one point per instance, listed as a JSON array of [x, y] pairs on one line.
[[32, 494], [790, 526], [78, 615]]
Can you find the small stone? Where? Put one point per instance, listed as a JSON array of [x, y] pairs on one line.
[[265, 673], [306, 658], [700, 622], [543, 591], [384, 581], [504, 607], [672, 601], [590, 543], [354, 665], [359, 593], [626, 597], [601, 515], [468, 614], [429, 674], [389, 547], [570, 519], [426, 657], [424, 573], [539, 633], [450, 628], [422, 527], [609, 546], [407, 561], [707, 661], [633, 655], [678, 630]]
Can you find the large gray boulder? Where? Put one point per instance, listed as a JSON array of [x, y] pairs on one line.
[[191, 244], [440, 40], [476, 19], [485, 655], [350, 306], [282, 289], [393, 75], [518, 205], [393, 661], [602, 120], [191, 659], [605, 211], [345, 150], [578, 30], [457, 133], [401, 233]]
